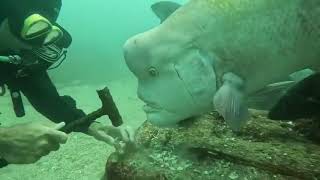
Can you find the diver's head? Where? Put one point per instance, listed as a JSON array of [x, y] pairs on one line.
[[176, 82]]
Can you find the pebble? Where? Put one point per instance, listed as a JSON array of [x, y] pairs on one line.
[[269, 157], [180, 168], [233, 175]]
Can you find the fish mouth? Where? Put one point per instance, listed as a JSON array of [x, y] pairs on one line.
[[149, 105]]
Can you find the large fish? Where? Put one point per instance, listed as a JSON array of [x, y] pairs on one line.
[[214, 53]]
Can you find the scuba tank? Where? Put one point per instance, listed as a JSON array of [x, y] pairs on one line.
[[15, 94], [17, 103], [16, 99], [2, 90], [3, 163]]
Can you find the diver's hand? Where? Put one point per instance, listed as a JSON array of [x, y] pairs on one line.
[[8, 41], [27, 143], [119, 137]]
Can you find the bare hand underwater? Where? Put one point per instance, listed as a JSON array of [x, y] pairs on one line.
[[28, 142]]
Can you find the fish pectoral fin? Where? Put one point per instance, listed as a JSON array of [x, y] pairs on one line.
[[230, 102]]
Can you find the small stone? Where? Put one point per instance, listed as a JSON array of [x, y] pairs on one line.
[[269, 157], [196, 171], [233, 175], [290, 123], [174, 161], [180, 168]]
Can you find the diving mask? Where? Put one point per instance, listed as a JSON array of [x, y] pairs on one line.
[[37, 28], [54, 35]]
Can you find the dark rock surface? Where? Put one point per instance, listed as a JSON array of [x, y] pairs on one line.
[[205, 148]]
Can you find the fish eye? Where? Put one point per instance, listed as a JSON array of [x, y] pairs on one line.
[[153, 72]]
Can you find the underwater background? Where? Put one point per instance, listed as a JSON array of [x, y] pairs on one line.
[[99, 29], [207, 148]]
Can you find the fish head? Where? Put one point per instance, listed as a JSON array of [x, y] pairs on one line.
[[175, 79]]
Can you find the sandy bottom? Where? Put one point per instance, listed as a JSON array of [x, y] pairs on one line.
[[82, 157]]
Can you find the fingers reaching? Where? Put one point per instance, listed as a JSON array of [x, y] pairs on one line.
[[57, 135], [59, 126], [102, 136]]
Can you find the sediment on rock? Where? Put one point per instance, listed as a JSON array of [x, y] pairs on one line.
[[205, 148]]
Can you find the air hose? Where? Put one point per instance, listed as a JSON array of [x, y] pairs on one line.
[[15, 59]]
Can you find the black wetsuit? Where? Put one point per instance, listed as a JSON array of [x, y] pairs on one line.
[[37, 85], [38, 88]]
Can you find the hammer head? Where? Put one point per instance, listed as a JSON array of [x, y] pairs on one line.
[[109, 107]]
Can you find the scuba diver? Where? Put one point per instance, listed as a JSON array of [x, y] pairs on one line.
[[31, 42]]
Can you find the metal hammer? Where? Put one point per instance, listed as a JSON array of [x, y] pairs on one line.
[[108, 108]]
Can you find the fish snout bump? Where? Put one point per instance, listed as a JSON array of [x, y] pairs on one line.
[[136, 48]]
